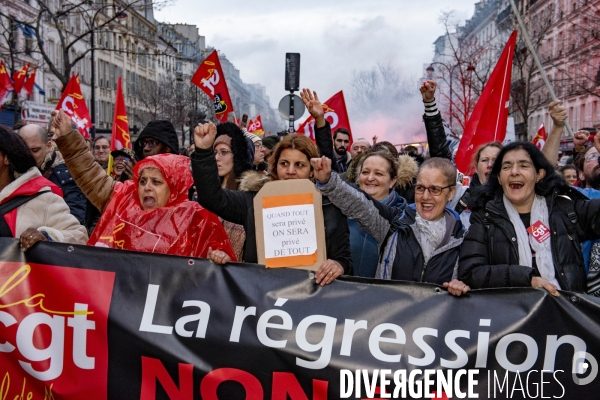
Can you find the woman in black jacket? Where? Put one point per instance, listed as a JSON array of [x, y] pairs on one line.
[[290, 160], [527, 226]]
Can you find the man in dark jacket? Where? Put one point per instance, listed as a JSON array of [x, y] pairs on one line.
[[158, 137], [52, 166]]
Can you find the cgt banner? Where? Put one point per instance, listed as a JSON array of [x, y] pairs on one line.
[[87, 323]]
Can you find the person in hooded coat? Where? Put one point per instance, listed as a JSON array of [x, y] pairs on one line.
[[158, 137], [232, 159], [150, 213]]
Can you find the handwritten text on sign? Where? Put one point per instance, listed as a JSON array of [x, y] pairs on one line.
[[289, 231]]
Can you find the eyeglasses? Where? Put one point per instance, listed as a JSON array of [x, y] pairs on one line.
[[222, 153], [433, 190], [150, 143], [101, 147], [592, 157], [258, 146], [122, 158]]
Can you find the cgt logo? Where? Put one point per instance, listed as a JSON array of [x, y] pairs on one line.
[[53, 329]]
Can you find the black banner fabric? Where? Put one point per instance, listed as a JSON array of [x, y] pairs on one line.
[[88, 323]]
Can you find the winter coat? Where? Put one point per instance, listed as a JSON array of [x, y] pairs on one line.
[[401, 250], [181, 227], [365, 250], [238, 207], [489, 257], [55, 170], [593, 275], [48, 212], [436, 137]]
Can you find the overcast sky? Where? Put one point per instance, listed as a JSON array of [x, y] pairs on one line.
[[334, 37]]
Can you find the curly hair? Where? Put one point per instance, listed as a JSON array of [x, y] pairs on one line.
[[545, 186], [17, 151]]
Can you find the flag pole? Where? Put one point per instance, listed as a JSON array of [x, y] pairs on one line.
[[537, 59]]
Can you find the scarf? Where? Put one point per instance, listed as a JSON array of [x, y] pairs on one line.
[[431, 234], [526, 242]]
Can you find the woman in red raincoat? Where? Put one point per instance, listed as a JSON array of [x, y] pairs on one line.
[[150, 213]]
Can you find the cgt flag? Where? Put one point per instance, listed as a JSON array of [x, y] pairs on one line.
[[6, 85], [539, 140], [28, 86], [73, 104], [210, 78], [255, 126], [120, 138], [19, 78], [490, 115], [335, 113]]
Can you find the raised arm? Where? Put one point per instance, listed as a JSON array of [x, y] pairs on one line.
[[88, 174], [558, 113], [323, 136], [227, 204], [436, 134], [352, 202]]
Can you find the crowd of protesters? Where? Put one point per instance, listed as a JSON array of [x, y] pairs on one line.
[[387, 215]]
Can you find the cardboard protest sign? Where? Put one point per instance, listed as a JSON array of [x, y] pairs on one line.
[[289, 225]]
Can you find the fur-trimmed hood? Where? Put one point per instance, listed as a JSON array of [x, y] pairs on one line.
[[253, 181]]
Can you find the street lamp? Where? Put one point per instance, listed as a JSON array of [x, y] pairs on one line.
[[120, 15]]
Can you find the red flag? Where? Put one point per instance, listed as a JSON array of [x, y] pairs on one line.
[[73, 104], [19, 78], [28, 86], [210, 78], [120, 138], [5, 84], [335, 113], [490, 115], [120, 130], [255, 126], [539, 140]]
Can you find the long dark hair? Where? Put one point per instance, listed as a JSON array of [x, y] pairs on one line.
[[239, 148], [546, 185], [15, 148]]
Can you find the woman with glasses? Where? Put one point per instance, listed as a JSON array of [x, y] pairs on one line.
[[527, 225], [290, 160], [231, 155], [420, 243]]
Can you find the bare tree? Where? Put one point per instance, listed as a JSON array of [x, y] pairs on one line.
[[379, 89], [462, 68], [74, 23], [578, 59], [528, 91]]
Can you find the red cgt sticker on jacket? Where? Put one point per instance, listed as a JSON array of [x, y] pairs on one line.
[[53, 331], [539, 231]]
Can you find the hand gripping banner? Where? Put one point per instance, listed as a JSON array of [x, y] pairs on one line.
[[89, 323]]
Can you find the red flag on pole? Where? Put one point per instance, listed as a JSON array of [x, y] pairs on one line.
[[490, 116], [120, 138], [19, 78], [210, 78], [74, 106], [539, 140], [5, 84], [28, 86], [255, 126], [335, 113]]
